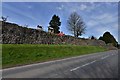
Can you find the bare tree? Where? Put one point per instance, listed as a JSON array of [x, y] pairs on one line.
[[76, 25], [4, 19]]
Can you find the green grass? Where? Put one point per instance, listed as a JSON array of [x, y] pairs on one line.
[[20, 54]]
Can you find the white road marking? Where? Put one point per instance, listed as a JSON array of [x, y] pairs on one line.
[[105, 57], [88, 63], [83, 65], [35, 64], [75, 69], [93, 61]]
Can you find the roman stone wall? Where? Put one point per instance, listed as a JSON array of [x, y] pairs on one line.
[[15, 34]]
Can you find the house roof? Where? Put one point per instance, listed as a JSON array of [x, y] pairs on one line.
[[50, 28], [39, 26]]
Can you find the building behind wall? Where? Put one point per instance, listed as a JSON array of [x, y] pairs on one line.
[[39, 28], [50, 30]]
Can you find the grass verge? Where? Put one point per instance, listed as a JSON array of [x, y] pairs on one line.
[[21, 54]]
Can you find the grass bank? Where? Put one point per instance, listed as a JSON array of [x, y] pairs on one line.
[[20, 54]]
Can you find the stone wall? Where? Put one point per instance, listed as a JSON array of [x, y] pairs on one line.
[[15, 34]]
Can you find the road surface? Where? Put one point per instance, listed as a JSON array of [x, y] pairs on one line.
[[96, 65]]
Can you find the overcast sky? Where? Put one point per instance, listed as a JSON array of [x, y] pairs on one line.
[[99, 17]]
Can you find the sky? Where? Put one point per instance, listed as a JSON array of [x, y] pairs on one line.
[[98, 17]]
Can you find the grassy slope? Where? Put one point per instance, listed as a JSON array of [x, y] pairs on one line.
[[19, 54]]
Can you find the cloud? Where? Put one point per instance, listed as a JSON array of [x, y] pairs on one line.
[[101, 23], [18, 12], [77, 7], [115, 26], [60, 7], [83, 7], [61, 0], [87, 6], [111, 4], [29, 7], [113, 29], [92, 23], [90, 6], [105, 18]]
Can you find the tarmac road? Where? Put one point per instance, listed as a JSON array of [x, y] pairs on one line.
[[96, 65]]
